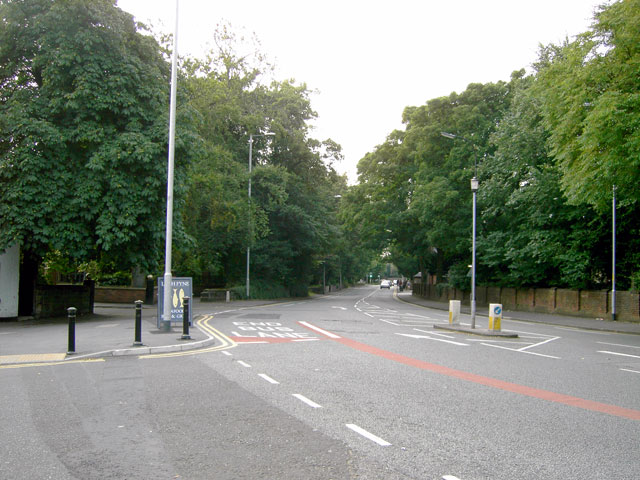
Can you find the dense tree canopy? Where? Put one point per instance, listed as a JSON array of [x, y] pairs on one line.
[[590, 102], [83, 116], [290, 223], [83, 146], [84, 107], [549, 147]]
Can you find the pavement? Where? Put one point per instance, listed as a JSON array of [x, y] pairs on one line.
[[110, 331]]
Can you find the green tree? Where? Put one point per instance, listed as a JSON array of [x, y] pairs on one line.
[[529, 235], [591, 107], [292, 220], [441, 200], [83, 121]]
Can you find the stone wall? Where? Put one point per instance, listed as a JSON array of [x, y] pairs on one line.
[[53, 300]]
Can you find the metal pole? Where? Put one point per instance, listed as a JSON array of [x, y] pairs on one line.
[[473, 266], [473, 247], [250, 229], [613, 263], [137, 342], [474, 188], [71, 311], [324, 284], [185, 320], [166, 312]]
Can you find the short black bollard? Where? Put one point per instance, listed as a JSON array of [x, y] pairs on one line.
[[148, 294], [185, 320], [138, 335], [72, 330]]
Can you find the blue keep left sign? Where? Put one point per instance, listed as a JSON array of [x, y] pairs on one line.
[[497, 310]]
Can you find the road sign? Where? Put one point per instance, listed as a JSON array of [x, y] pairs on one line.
[[180, 288], [495, 316]]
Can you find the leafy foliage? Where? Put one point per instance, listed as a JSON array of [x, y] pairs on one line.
[[83, 116], [589, 89], [548, 147]]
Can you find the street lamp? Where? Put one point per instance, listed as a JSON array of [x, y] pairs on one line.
[[613, 259], [251, 135], [474, 189], [166, 312]]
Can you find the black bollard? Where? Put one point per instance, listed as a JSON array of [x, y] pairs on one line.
[[72, 330], [138, 335], [185, 320], [148, 294]]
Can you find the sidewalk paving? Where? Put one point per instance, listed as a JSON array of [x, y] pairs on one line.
[[110, 331], [482, 317]]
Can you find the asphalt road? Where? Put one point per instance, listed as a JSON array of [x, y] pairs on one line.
[[350, 386]]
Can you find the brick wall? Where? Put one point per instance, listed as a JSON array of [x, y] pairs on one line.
[[587, 303], [567, 301], [525, 299], [545, 300], [508, 299], [120, 294], [594, 302], [627, 304]]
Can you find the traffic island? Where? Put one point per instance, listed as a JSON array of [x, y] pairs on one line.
[[476, 331], [495, 319]]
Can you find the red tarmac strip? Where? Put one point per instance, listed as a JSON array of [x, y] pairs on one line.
[[495, 383]]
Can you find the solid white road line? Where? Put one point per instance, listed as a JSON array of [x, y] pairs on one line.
[[244, 364], [619, 345], [628, 370], [268, 378], [368, 435], [537, 344], [319, 330], [304, 399], [519, 350], [411, 335], [619, 354]]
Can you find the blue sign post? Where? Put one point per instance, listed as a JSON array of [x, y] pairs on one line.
[[180, 288]]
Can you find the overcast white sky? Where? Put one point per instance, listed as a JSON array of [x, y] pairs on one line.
[[368, 60]]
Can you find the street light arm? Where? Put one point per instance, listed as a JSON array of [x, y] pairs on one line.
[[448, 135], [453, 136]]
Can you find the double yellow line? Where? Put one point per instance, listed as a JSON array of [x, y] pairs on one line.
[[222, 341]]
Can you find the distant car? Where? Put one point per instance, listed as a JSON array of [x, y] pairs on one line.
[[385, 284]]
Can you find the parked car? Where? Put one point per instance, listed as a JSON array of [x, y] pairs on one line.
[[385, 284]]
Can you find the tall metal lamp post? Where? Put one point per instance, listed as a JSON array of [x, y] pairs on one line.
[[474, 189], [613, 259], [166, 312], [251, 135]]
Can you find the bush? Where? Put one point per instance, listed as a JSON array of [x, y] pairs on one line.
[[261, 290], [459, 276], [120, 279]]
